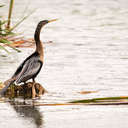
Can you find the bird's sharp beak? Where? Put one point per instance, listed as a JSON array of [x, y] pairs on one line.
[[52, 20]]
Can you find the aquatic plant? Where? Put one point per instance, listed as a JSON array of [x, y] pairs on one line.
[[7, 34]]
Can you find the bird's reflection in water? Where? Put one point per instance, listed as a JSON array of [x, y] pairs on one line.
[[28, 112]]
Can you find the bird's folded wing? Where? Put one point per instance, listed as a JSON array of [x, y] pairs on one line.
[[30, 68]]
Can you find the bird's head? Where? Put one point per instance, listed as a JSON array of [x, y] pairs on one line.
[[43, 22], [38, 28]]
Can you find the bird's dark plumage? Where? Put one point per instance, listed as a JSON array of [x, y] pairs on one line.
[[29, 68], [32, 65]]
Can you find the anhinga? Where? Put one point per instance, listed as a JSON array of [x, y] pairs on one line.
[[32, 65]]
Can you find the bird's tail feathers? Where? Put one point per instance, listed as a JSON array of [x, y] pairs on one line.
[[7, 83]]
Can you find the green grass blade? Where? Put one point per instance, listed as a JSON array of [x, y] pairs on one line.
[[100, 99], [6, 42], [24, 18], [1, 47], [14, 48]]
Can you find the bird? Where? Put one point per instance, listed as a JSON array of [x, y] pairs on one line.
[[32, 65]]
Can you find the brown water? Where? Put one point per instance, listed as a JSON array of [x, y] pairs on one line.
[[89, 53]]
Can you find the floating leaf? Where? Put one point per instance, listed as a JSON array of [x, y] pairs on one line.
[[87, 92], [100, 99]]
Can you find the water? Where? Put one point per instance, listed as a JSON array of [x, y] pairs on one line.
[[89, 53]]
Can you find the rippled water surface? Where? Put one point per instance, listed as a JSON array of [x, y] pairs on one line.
[[89, 53]]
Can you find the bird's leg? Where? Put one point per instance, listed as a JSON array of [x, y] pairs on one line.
[[33, 89], [24, 90], [33, 80]]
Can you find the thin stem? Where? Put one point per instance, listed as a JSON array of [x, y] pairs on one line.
[[10, 13], [24, 18]]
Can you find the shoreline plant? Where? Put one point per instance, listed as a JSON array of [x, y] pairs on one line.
[[7, 35]]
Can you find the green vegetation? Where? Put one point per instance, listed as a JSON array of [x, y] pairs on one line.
[[6, 31], [103, 101]]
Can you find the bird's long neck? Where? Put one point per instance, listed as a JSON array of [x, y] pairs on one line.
[[39, 45]]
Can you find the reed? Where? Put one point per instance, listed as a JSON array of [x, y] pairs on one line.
[[10, 14], [102, 100], [7, 31]]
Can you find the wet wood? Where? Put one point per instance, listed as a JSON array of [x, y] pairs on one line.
[[25, 90]]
